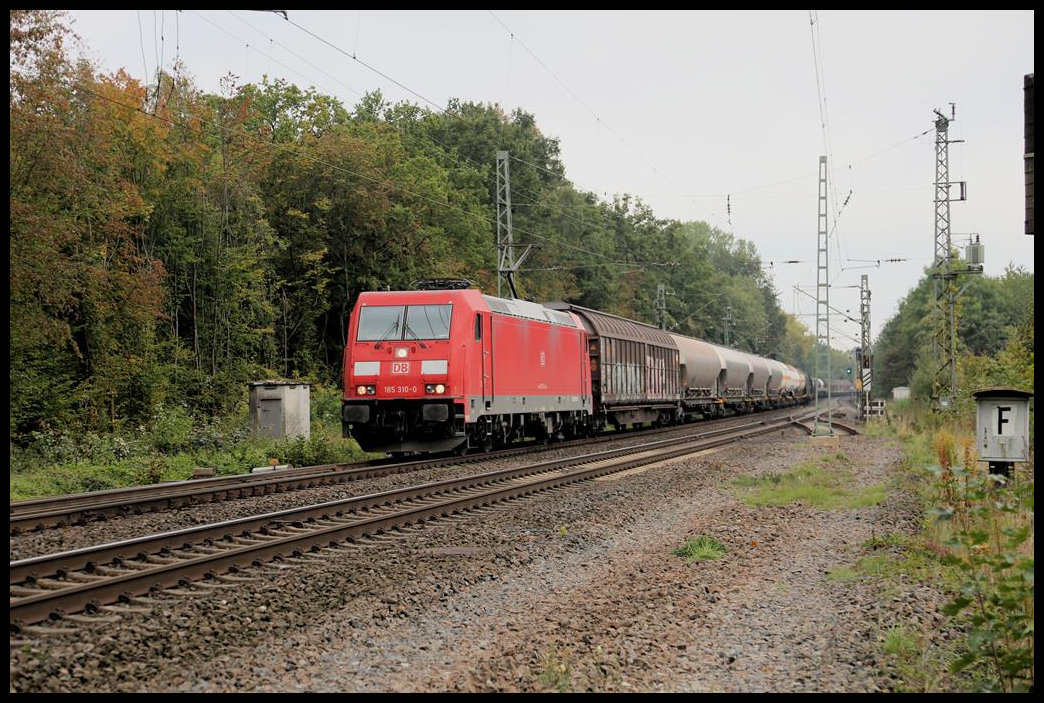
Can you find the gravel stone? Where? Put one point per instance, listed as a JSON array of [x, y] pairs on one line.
[[574, 589]]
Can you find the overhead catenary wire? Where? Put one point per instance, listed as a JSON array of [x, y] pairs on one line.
[[335, 167], [141, 40], [156, 43], [353, 55], [567, 211], [818, 67], [825, 118], [445, 152]]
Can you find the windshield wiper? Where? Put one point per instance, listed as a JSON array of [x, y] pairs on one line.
[[409, 330], [384, 335]]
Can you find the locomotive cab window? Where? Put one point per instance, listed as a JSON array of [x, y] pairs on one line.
[[428, 321], [478, 327], [379, 323]]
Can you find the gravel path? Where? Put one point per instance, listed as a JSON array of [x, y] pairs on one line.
[[572, 590]]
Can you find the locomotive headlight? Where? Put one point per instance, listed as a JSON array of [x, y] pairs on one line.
[[366, 390], [401, 353], [361, 390], [434, 388], [440, 389]]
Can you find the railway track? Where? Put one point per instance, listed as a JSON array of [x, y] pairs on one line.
[[49, 586], [78, 509]]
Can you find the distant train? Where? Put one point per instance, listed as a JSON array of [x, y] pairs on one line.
[[442, 370], [838, 387]]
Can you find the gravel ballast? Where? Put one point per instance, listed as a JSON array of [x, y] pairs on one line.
[[575, 589]]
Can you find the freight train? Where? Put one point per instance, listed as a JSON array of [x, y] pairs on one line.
[[457, 370]]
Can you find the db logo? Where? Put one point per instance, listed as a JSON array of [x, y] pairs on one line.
[[400, 368]]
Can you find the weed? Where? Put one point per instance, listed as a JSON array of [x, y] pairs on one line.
[[810, 485], [899, 642], [701, 547], [843, 573], [978, 541], [557, 669]]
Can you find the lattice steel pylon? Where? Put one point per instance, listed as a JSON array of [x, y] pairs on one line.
[[944, 276], [507, 264], [661, 306], [823, 300]]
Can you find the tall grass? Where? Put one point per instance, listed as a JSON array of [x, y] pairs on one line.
[[171, 448], [983, 526]]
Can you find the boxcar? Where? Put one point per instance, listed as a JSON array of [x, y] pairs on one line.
[[635, 375]]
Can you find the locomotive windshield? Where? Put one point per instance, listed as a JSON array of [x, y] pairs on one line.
[[378, 323], [428, 321]]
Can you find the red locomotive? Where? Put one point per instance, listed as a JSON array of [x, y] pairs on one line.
[[440, 370]]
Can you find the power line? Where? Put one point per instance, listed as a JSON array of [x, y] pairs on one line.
[[447, 152], [335, 167], [514, 37], [569, 90], [141, 40], [363, 63]]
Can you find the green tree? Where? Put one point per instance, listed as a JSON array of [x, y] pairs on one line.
[[85, 291]]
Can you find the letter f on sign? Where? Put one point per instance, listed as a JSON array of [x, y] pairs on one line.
[[1001, 421]]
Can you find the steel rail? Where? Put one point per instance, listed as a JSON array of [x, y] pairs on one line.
[[40, 513], [74, 581]]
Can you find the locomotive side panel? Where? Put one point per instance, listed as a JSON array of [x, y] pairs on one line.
[[537, 367]]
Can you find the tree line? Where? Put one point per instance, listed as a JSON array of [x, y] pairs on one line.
[[994, 340]]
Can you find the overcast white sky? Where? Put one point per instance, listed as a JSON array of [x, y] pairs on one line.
[[706, 115]]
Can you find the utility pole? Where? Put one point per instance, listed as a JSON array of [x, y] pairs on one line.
[[727, 319], [823, 300], [507, 265], [866, 358], [1027, 103]]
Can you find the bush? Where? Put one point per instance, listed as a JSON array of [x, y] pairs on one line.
[[171, 428]]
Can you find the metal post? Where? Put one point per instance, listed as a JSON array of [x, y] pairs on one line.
[[661, 306], [866, 371]]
